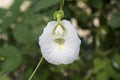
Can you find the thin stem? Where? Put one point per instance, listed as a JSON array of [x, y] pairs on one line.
[[61, 4], [36, 69]]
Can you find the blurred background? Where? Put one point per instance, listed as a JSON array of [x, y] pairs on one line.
[[98, 25]]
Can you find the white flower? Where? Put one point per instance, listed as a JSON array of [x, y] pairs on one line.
[[6, 4], [60, 43]]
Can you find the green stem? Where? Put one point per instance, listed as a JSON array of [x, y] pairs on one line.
[[61, 4], [58, 16], [31, 76]]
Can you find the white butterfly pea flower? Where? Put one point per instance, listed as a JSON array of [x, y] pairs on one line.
[[59, 42]]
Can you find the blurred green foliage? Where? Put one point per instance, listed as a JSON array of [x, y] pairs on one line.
[[99, 57]]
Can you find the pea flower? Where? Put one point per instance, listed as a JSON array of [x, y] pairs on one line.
[[59, 42]]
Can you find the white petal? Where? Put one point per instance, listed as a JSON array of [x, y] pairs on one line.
[[72, 44], [52, 52]]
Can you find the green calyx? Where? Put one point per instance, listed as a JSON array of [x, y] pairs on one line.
[[58, 15]]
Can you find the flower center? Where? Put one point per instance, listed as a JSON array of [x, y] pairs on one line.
[[58, 34], [60, 42]]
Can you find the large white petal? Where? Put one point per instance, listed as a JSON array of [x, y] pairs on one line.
[[72, 44], [51, 50]]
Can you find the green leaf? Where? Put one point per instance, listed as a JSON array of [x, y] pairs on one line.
[[22, 34], [100, 64], [102, 75], [44, 4], [7, 22], [38, 31], [15, 8], [34, 19], [113, 73], [2, 12], [115, 20], [12, 59]]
